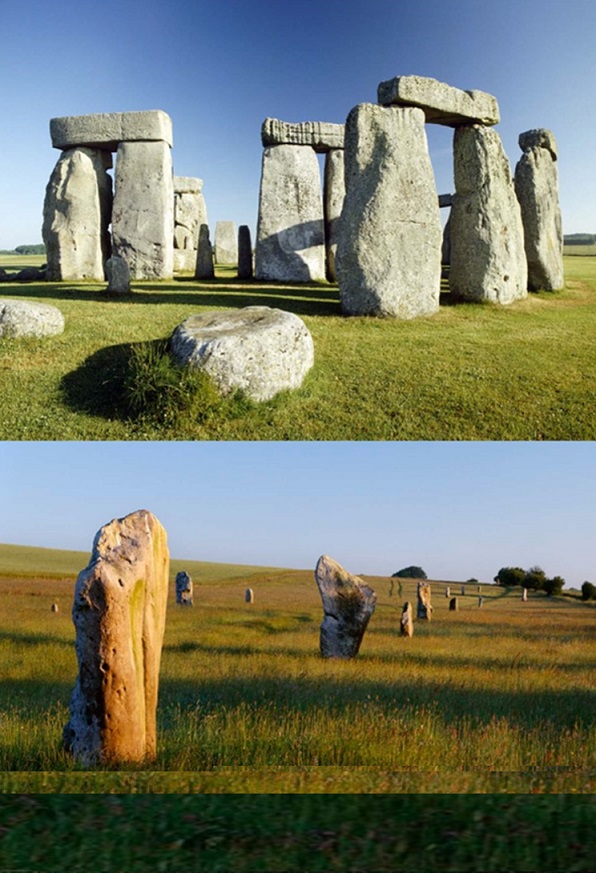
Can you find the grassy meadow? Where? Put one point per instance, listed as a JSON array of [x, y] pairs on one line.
[[491, 699], [471, 372]]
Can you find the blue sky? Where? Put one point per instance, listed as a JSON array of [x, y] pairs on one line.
[[219, 67], [457, 509]]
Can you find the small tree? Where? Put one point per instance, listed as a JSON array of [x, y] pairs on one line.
[[535, 579], [588, 591], [554, 585], [411, 573], [509, 577]]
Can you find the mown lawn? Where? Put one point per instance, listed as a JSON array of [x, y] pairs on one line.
[[527, 371]]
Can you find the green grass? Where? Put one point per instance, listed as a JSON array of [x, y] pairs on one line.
[[527, 371], [583, 251]]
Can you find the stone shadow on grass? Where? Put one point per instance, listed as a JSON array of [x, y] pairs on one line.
[[96, 387]]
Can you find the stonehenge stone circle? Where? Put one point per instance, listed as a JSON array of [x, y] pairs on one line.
[[319, 135], [21, 318], [190, 212], [290, 244], [488, 260], [245, 270], [348, 604], [334, 192], [442, 104], [406, 625], [76, 215], [389, 247], [118, 276], [119, 614], [106, 130], [249, 596], [226, 243], [259, 350], [184, 589], [423, 607], [537, 188]]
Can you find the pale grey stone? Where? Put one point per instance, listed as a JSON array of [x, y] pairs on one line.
[[524, 594], [118, 276], [226, 243], [448, 591], [245, 270], [185, 261], [406, 625], [441, 103], [258, 350], [537, 189], [190, 212], [389, 247], [119, 613], [322, 136], [187, 185], [348, 604], [249, 596], [184, 589], [55, 607], [334, 193], [143, 212], [76, 216], [23, 318], [107, 129], [290, 233], [488, 261], [423, 607]]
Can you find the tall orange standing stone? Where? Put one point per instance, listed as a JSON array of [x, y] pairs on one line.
[[119, 614]]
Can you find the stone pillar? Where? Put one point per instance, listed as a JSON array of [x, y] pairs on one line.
[[406, 625], [226, 243], [119, 613], [524, 594], [143, 213], [249, 596], [453, 604], [537, 189], [389, 248], [76, 215], [488, 261], [204, 265], [184, 588], [423, 607], [447, 591], [334, 193], [244, 252], [190, 212], [348, 604], [290, 232]]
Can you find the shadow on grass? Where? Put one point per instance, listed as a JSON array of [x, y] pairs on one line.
[[97, 386]]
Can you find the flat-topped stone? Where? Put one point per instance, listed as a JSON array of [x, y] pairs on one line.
[[187, 185], [540, 138], [442, 104], [20, 318], [106, 129], [322, 136]]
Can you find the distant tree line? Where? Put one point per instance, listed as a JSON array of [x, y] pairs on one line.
[[534, 579], [579, 239], [411, 573], [588, 591], [38, 249]]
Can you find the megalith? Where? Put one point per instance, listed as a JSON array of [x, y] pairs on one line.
[[143, 211], [184, 589], [441, 103], [249, 596], [389, 246], [537, 188], [24, 318], [76, 215], [406, 625], [290, 244], [118, 276], [204, 255], [453, 604], [226, 243], [334, 192], [423, 607], [348, 604], [245, 269], [119, 613], [190, 212], [488, 261]]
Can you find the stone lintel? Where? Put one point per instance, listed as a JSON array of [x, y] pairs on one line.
[[442, 104], [445, 200], [539, 138], [322, 136], [105, 130], [187, 185]]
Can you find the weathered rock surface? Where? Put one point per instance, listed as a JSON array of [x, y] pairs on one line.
[[118, 276], [453, 604], [348, 604], [21, 318], [537, 188], [259, 350], [334, 192], [184, 589], [188, 185], [204, 261], [406, 625], [423, 607], [226, 243], [290, 232], [143, 213], [245, 270], [322, 136], [76, 216], [249, 596], [190, 211], [389, 246], [107, 129], [119, 614], [488, 261], [441, 103]]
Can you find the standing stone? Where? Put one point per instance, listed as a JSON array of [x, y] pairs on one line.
[[423, 607], [118, 276], [488, 261], [524, 594], [226, 243], [480, 602], [406, 625], [190, 212], [463, 590], [119, 613], [334, 193], [447, 591], [184, 588], [143, 213], [348, 604], [249, 596], [244, 252], [537, 189], [55, 607], [453, 604], [389, 247], [204, 266], [76, 216], [290, 232]]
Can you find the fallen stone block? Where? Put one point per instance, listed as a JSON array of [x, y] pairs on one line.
[[21, 318], [319, 135], [441, 103]]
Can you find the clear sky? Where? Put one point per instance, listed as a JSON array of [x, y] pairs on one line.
[[219, 67], [459, 510]]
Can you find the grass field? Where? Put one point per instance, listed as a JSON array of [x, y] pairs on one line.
[[527, 371], [491, 699]]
